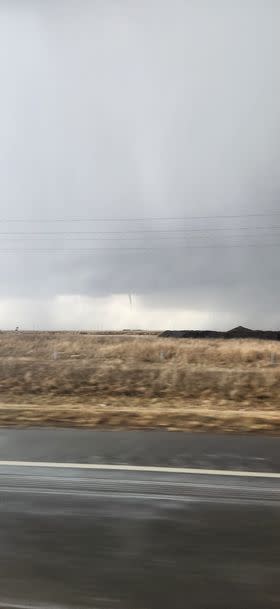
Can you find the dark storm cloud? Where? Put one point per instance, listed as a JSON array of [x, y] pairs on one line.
[[132, 109]]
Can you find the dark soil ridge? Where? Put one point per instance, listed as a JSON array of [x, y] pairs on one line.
[[239, 332]]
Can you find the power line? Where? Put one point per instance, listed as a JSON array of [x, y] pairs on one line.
[[156, 249], [141, 219], [34, 239], [142, 231]]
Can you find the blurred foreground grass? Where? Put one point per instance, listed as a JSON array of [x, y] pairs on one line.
[[139, 381]]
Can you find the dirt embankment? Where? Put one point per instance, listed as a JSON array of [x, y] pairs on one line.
[[239, 332]]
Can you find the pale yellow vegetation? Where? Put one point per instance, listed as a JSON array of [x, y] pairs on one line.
[[139, 381]]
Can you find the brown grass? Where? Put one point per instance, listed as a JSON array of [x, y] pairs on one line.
[[139, 381]]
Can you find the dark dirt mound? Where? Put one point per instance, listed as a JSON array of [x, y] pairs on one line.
[[238, 332]]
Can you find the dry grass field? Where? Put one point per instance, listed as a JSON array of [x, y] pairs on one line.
[[139, 382]]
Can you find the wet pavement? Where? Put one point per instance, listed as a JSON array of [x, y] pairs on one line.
[[116, 539]]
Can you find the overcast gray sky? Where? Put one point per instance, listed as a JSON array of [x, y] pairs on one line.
[[114, 109]]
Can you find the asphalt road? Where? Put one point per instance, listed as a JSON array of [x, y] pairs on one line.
[[143, 448], [83, 536]]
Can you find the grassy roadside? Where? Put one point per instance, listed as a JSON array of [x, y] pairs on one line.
[[139, 382]]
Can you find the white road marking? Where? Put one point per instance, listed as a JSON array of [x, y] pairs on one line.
[[140, 468]]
